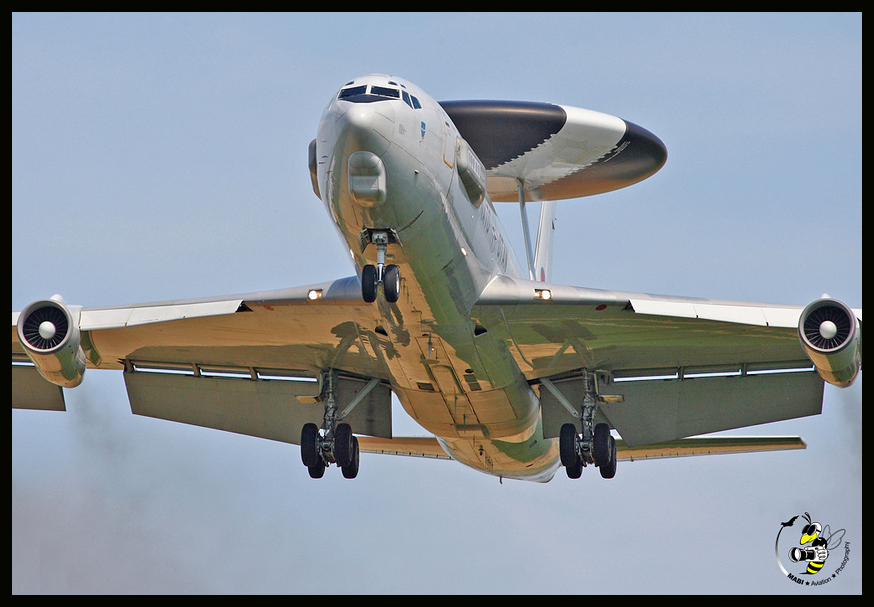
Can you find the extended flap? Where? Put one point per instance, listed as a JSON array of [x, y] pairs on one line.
[[274, 409], [659, 410], [31, 391]]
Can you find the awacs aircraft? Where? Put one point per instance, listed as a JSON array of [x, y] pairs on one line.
[[512, 374]]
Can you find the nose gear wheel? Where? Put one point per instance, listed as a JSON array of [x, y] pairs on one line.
[[390, 281], [389, 276]]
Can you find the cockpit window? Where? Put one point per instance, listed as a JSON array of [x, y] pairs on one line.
[[352, 91], [383, 91], [361, 94]]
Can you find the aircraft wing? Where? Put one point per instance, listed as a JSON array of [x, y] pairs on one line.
[[666, 367], [194, 361], [251, 363]]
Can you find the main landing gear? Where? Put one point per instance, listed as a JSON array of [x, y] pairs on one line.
[[594, 446], [334, 443], [339, 447], [578, 451], [389, 276]]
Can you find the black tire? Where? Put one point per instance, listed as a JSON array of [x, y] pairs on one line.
[[309, 450], [601, 448], [567, 447], [351, 471], [391, 283], [343, 445], [318, 470], [609, 470], [576, 470], [368, 283]]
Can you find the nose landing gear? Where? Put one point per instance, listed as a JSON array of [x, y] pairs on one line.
[[389, 276], [390, 280]]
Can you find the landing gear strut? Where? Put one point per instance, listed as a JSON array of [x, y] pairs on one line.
[[335, 442], [388, 276], [594, 446]]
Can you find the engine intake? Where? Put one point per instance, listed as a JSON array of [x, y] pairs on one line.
[[831, 337], [49, 334]]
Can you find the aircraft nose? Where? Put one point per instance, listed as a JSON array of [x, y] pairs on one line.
[[368, 126]]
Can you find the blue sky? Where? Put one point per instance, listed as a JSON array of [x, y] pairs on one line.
[[162, 157]]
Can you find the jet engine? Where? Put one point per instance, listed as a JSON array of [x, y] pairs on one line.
[[49, 333], [831, 337]]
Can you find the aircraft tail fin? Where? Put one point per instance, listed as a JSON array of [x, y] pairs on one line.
[[545, 234]]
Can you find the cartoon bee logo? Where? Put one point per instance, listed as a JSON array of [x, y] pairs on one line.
[[815, 543]]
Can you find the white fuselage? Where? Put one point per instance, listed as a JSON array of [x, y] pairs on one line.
[[386, 161]]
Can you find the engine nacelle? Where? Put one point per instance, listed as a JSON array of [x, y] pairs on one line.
[[49, 333], [831, 337]]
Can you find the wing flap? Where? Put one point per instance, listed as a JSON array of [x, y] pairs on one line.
[[31, 391], [647, 411], [653, 411], [274, 409]]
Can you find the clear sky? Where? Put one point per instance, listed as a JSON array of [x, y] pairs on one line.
[[161, 157]]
